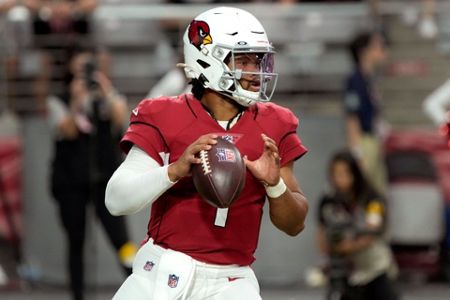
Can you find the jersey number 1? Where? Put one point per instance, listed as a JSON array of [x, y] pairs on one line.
[[221, 217]]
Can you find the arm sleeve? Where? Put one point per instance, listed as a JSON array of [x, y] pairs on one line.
[[137, 182], [144, 132], [438, 103], [290, 146]]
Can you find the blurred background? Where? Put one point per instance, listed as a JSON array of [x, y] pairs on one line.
[[139, 44]]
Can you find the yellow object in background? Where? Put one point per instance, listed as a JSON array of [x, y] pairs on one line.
[[375, 207], [374, 214], [127, 253]]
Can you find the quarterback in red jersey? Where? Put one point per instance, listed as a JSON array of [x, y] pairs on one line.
[[194, 250]]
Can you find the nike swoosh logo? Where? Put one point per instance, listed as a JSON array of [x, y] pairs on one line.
[[135, 111], [233, 278]]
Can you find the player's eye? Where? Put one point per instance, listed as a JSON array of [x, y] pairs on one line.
[[247, 61]]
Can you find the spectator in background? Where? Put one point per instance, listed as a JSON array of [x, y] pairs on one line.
[[424, 17], [427, 26], [352, 217], [87, 125], [171, 84], [437, 105], [361, 102], [58, 26], [5, 5], [7, 216], [8, 54]]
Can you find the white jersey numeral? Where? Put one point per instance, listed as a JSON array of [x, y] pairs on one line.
[[221, 217]]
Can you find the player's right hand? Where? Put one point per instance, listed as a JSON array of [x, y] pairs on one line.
[[182, 167]]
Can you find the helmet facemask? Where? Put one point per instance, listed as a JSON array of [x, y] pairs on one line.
[[248, 75]]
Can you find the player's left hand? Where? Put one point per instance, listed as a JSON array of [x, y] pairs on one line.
[[267, 167]]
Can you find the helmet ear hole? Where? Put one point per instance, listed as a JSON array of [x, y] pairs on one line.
[[226, 84], [203, 63]]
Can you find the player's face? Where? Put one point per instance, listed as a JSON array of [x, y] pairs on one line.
[[341, 177], [248, 62]]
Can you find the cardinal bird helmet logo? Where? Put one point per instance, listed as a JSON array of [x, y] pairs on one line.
[[199, 34]]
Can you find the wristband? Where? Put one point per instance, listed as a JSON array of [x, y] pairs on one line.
[[276, 190]]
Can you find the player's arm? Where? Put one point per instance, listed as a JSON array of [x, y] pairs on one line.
[[140, 179], [287, 203], [137, 182], [288, 210], [182, 167]]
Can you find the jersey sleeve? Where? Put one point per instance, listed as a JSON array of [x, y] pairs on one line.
[[144, 132], [290, 146]]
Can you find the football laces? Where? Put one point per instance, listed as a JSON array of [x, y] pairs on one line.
[[205, 162]]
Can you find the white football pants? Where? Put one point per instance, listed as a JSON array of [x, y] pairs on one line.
[[161, 274]]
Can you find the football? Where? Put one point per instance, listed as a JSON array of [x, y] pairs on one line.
[[220, 177]]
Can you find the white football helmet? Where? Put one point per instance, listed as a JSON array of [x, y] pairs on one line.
[[214, 38]]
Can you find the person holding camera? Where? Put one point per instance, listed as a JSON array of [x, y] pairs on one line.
[[87, 123], [352, 220]]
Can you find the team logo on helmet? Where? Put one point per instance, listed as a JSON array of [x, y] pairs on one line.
[[199, 34]]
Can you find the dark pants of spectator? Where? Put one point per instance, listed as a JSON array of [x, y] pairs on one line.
[[380, 288], [72, 209]]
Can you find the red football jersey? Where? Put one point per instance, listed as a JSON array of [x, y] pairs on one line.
[[180, 220]]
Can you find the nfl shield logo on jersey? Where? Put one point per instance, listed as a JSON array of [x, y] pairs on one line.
[[173, 281], [228, 138], [149, 266]]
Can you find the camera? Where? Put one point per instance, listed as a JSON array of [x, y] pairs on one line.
[[90, 68], [338, 223]]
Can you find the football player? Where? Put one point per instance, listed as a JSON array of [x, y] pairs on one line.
[[194, 250]]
